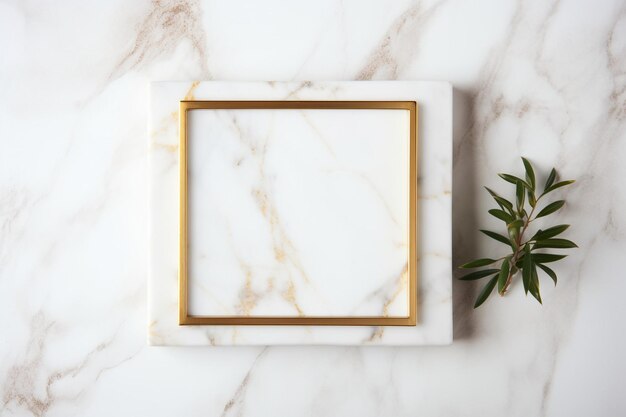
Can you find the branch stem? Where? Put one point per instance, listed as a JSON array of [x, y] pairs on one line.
[[518, 249]]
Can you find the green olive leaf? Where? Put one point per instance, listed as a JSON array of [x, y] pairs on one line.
[[504, 274], [478, 274], [526, 268], [478, 263], [530, 173], [551, 208], [534, 284], [550, 232], [497, 237], [558, 185], [532, 200], [515, 224], [524, 214], [548, 271], [544, 258], [500, 214], [555, 243], [502, 202], [513, 235], [519, 193], [486, 291], [513, 180], [513, 229], [550, 180]]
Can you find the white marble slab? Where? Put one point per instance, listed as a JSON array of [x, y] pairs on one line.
[[309, 225]]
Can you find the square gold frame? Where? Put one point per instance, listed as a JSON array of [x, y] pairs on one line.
[[185, 319]]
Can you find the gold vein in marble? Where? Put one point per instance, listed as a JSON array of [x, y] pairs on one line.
[[283, 248]]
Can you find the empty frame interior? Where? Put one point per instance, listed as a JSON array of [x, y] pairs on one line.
[[298, 213]]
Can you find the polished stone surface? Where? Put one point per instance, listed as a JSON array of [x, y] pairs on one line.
[[540, 79], [301, 213]]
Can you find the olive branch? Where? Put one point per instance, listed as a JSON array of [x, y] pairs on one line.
[[525, 257]]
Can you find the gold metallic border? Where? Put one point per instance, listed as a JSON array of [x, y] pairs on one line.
[[183, 316]]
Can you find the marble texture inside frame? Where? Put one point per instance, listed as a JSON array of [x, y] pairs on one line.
[[434, 209]]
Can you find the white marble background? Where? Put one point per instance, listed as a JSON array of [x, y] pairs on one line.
[[546, 79]]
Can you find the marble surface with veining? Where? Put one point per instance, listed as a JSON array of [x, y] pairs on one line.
[[273, 197], [279, 207], [543, 79]]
